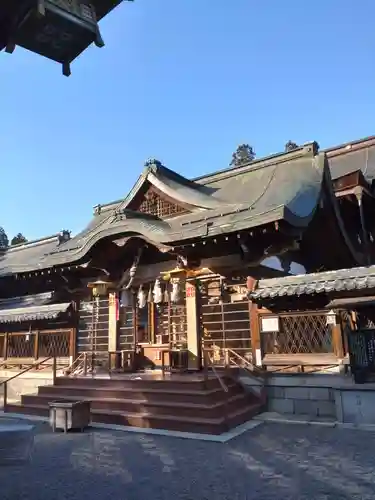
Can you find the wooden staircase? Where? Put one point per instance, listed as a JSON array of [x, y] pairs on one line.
[[185, 403]]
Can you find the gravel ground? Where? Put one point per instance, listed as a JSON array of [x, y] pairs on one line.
[[272, 461]]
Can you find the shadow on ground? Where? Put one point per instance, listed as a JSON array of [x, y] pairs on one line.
[[272, 461]]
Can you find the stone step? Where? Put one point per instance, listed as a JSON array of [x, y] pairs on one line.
[[135, 393], [148, 420], [160, 407], [143, 382]]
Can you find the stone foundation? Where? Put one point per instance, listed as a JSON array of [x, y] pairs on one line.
[[332, 396], [27, 383]]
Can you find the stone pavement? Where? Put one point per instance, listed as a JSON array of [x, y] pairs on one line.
[[272, 461]]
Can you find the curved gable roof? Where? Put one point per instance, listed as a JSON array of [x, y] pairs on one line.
[[283, 187]]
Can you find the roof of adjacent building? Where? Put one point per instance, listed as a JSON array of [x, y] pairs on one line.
[[359, 278], [31, 308], [28, 256], [351, 157]]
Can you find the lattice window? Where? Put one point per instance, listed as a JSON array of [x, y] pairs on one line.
[[21, 345], [154, 204], [54, 344], [299, 334]]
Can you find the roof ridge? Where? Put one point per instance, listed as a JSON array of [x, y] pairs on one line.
[[230, 172], [358, 142], [32, 243]]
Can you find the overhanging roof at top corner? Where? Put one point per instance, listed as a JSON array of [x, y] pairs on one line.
[[104, 7], [351, 157], [357, 278], [282, 187]]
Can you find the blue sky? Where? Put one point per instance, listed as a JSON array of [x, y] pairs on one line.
[[184, 81]]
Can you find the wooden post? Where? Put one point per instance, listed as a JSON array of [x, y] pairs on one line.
[[337, 340], [254, 324], [151, 323], [6, 341], [193, 327], [72, 344], [85, 363], [36, 345], [5, 395], [112, 322], [54, 369], [256, 346]]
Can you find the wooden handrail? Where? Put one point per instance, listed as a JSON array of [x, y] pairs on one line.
[[208, 364], [248, 363], [5, 382]]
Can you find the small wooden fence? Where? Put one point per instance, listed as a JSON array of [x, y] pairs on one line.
[[300, 338], [22, 346]]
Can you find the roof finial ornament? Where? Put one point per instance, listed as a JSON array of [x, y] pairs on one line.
[[153, 163], [64, 235]]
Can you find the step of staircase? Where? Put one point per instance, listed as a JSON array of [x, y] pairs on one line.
[[191, 406]]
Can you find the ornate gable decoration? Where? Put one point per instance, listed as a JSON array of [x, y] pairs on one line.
[[154, 203]]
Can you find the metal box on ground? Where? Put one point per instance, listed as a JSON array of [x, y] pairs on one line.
[[69, 415]]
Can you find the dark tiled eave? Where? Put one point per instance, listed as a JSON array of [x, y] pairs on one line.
[[360, 278], [31, 308]]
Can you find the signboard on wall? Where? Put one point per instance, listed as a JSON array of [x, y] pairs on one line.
[[269, 324], [331, 318], [190, 291]]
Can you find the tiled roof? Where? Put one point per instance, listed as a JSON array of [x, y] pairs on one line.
[[27, 256], [358, 278], [30, 308], [351, 157], [283, 187]]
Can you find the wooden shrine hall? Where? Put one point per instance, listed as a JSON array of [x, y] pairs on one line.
[[160, 278]]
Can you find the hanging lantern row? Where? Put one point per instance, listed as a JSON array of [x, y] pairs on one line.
[[156, 294]]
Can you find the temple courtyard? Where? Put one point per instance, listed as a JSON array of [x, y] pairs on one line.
[[271, 461]]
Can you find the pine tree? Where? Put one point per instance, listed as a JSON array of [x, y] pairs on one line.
[[243, 155], [290, 146], [4, 241], [18, 239]]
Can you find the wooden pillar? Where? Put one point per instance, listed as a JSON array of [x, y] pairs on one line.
[[337, 339], [112, 321], [72, 344], [36, 345], [74, 332], [6, 341], [254, 324], [256, 346], [193, 326]]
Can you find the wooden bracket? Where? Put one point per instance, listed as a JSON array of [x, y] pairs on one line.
[[66, 69]]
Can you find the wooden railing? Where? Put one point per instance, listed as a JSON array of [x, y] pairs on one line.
[[35, 345], [4, 383], [93, 362], [208, 365]]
